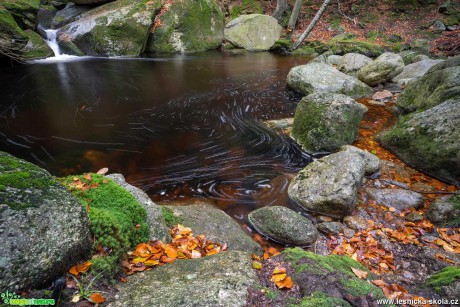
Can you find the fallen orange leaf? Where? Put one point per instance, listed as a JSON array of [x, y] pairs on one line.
[[96, 298], [361, 274]]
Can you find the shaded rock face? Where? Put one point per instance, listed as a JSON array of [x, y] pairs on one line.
[[44, 230], [350, 63], [91, 2], [383, 68], [445, 212], [396, 198], [217, 280], [118, 28], [325, 121], [12, 37], [371, 160], [69, 14], [24, 12], [329, 185], [36, 47], [254, 32], [283, 225], [216, 226], [320, 77], [415, 70], [155, 219], [188, 26]]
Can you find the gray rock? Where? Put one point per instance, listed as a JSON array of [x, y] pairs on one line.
[[450, 62], [97, 32], [421, 45], [415, 70], [414, 217], [329, 185], [334, 59], [438, 27], [421, 57], [372, 161], [445, 211], [44, 229], [350, 63], [326, 121], [383, 96], [155, 219], [320, 77], [218, 280], [69, 14], [45, 16], [91, 2], [383, 68], [322, 58], [327, 228], [254, 32], [355, 222], [188, 26], [409, 56], [283, 225], [396, 198], [216, 226]]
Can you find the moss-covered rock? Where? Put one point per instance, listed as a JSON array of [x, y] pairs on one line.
[[445, 212], [119, 28], [23, 11], [12, 38], [350, 45], [246, 7], [44, 230], [188, 26], [118, 220], [383, 68], [36, 48], [329, 279]]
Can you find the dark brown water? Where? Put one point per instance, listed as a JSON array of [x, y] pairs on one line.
[[179, 127]]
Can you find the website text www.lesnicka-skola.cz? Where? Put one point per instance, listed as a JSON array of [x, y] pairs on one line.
[[420, 302]]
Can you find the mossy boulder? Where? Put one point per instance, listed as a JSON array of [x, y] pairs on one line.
[[350, 63], [36, 47], [118, 220], [321, 77], [329, 280], [254, 32], [415, 70], [12, 37], [90, 2], [119, 28], [383, 68], [445, 212], [44, 230], [325, 121], [343, 45], [283, 225], [188, 26], [23, 11], [217, 280]]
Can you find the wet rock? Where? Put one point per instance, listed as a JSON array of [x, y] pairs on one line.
[[216, 226], [355, 222], [12, 37], [350, 63], [372, 162], [383, 96], [334, 59], [445, 212], [392, 87], [188, 26], [44, 230], [320, 77], [155, 219], [327, 228], [396, 198], [97, 32], [414, 217], [36, 47], [254, 32], [45, 16], [217, 280], [326, 121], [329, 185], [69, 14], [283, 225], [415, 70], [383, 68]]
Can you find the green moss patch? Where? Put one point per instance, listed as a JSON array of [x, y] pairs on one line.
[[319, 298], [443, 278], [246, 7], [170, 219]]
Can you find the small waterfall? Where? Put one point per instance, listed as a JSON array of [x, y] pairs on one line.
[[51, 41]]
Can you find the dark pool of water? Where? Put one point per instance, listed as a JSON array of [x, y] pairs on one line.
[[181, 127]]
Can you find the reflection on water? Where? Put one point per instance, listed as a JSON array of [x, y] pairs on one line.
[[177, 127]]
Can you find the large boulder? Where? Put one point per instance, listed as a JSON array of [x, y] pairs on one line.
[[217, 280], [23, 11], [283, 225], [350, 63], [118, 28], [383, 68], [428, 140], [216, 225], [90, 2], [44, 230], [325, 121], [36, 47], [188, 26], [444, 212], [320, 77], [372, 161], [254, 32], [415, 70], [329, 185], [155, 219], [12, 37]]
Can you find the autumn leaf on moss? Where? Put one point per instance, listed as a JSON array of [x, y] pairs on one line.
[[280, 278]]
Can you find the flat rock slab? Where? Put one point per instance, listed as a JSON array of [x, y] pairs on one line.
[[283, 225], [216, 225], [396, 198], [218, 280]]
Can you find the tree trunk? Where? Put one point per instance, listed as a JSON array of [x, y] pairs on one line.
[[294, 16], [281, 7], [311, 25]]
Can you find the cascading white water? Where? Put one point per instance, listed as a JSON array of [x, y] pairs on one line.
[[51, 41]]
